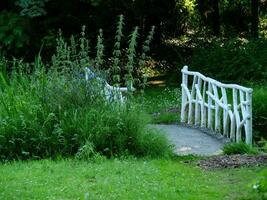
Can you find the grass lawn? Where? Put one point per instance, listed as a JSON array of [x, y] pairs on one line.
[[163, 103], [121, 179]]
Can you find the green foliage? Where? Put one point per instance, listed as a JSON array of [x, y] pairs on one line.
[[71, 56], [259, 187], [260, 111], [235, 60], [131, 54], [143, 57], [51, 114], [116, 69], [12, 32], [46, 113], [32, 8], [87, 152], [238, 148], [235, 16], [161, 103], [99, 51]]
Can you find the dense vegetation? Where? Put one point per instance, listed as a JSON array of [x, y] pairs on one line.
[[49, 111], [26, 24], [223, 39], [95, 146]]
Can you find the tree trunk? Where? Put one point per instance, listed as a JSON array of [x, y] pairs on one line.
[[255, 18], [216, 17]]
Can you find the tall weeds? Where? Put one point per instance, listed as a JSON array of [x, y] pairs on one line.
[[116, 68], [53, 111]]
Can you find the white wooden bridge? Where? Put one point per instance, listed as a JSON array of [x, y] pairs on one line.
[[223, 108]]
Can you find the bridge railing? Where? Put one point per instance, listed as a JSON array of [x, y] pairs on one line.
[[223, 108]]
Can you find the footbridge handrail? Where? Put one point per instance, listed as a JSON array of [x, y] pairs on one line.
[[224, 108]]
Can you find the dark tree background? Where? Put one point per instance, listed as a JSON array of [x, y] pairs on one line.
[[27, 24]]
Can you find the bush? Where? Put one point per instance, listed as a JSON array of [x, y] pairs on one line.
[[46, 113], [238, 148], [235, 60], [260, 112], [51, 114]]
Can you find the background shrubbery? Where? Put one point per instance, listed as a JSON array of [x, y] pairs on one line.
[[260, 111], [236, 60]]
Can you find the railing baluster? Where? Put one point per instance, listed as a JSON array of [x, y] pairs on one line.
[[190, 107], [249, 121], [198, 100], [210, 118], [203, 108], [184, 96], [237, 117], [217, 109], [225, 113]]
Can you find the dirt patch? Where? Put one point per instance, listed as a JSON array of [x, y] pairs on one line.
[[232, 161]]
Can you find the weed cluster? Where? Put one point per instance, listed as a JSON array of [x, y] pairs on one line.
[[238, 148], [49, 111]]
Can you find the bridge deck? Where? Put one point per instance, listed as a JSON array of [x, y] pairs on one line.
[[191, 141]]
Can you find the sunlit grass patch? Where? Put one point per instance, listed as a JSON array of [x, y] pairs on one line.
[[125, 178]]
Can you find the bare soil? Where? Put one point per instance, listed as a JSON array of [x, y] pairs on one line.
[[232, 161]]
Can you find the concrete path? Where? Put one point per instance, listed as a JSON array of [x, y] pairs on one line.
[[191, 141]]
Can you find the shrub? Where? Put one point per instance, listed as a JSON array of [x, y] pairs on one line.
[[260, 112], [238, 148], [46, 113], [235, 60], [51, 114]]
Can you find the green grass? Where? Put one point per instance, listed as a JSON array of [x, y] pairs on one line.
[[163, 103], [121, 179], [239, 148]]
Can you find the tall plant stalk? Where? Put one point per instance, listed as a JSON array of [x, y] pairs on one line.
[[117, 52], [145, 50], [99, 51], [131, 54]]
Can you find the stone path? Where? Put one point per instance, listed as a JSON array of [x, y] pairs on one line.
[[191, 141]]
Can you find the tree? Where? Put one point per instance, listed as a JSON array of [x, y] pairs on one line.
[[216, 17], [255, 18]]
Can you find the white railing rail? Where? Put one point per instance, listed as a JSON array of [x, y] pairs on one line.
[[224, 108]]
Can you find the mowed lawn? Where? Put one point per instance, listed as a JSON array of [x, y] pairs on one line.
[[122, 179]]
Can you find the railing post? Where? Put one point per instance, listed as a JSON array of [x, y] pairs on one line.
[[249, 120], [209, 107], [237, 117], [217, 110], [203, 108], [184, 97], [225, 112], [191, 101], [197, 104]]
